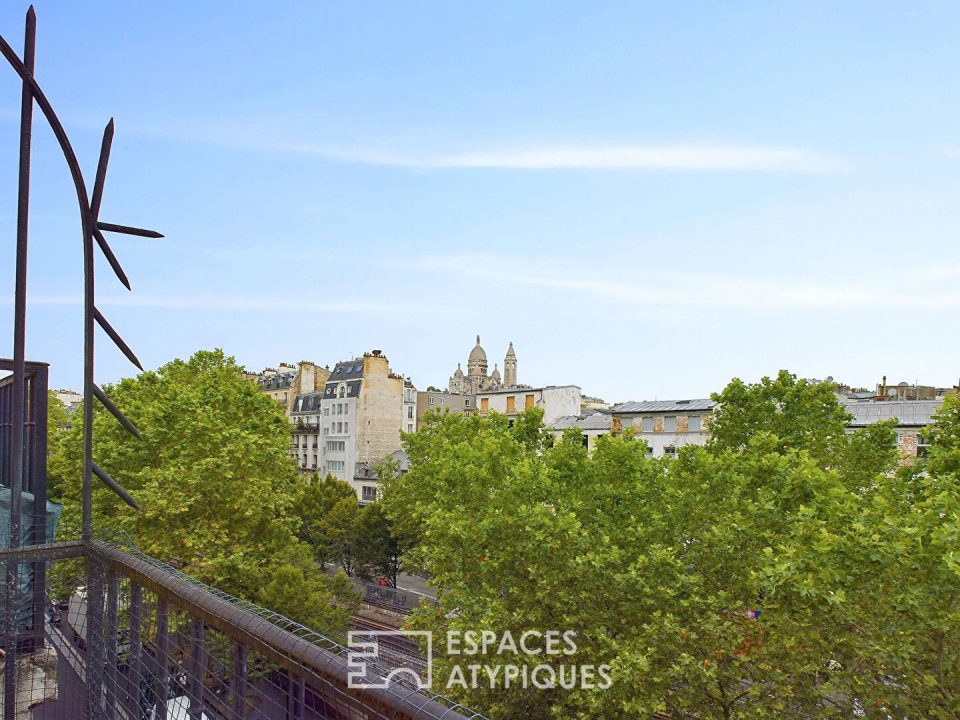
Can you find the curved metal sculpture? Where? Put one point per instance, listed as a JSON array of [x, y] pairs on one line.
[[92, 228]]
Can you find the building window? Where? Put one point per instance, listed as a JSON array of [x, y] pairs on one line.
[[409, 412], [647, 424], [326, 411], [923, 446], [336, 465], [432, 400], [346, 427], [670, 423], [369, 493], [585, 439], [528, 401], [326, 431], [484, 404], [466, 403], [693, 423], [670, 451], [336, 445], [339, 427], [409, 427], [443, 401], [511, 404]]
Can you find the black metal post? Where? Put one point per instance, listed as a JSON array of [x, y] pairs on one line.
[[297, 692], [18, 415], [110, 635], [135, 654], [94, 637], [38, 475], [239, 681], [163, 657], [198, 663]]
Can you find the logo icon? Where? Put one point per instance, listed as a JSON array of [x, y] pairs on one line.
[[379, 658]]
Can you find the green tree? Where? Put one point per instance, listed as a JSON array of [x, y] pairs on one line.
[[58, 419], [907, 579], [659, 566], [294, 588], [800, 415], [315, 502], [378, 549], [58, 422], [944, 434], [329, 522], [213, 473]]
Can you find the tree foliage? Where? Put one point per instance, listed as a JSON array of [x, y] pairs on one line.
[[213, 476], [361, 541], [663, 566]]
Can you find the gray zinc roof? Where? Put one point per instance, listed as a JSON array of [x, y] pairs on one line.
[[594, 421], [908, 412], [661, 406], [347, 370], [310, 402], [280, 381]]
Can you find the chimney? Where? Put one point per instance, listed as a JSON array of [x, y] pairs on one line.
[[307, 377]]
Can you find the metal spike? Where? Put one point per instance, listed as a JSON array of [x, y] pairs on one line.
[[118, 341], [111, 258], [115, 411], [115, 486], [127, 230], [105, 146]]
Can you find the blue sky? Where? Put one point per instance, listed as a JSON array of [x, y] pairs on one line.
[[646, 198]]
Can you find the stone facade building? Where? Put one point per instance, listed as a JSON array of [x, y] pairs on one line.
[[356, 417], [287, 382], [435, 401]]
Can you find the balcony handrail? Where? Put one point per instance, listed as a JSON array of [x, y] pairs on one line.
[[290, 645]]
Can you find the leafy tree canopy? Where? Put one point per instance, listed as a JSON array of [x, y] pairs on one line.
[[662, 566], [213, 476]]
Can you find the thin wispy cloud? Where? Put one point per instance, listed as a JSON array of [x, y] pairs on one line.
[[231, 303], [674, 290], [645, 157], [683, 158], [624, 156]]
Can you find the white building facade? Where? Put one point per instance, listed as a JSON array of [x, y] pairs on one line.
[[555, 400]]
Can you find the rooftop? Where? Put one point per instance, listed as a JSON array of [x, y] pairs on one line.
[[907, 412], [590, 421], [660, 406], [513, 389]]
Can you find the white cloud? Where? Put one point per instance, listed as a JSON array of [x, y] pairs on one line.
[[920, 289], [231, 303], [689, 156], [644, 157]]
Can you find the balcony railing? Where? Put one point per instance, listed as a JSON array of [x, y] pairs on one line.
[[304, 427], [129, 638]]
